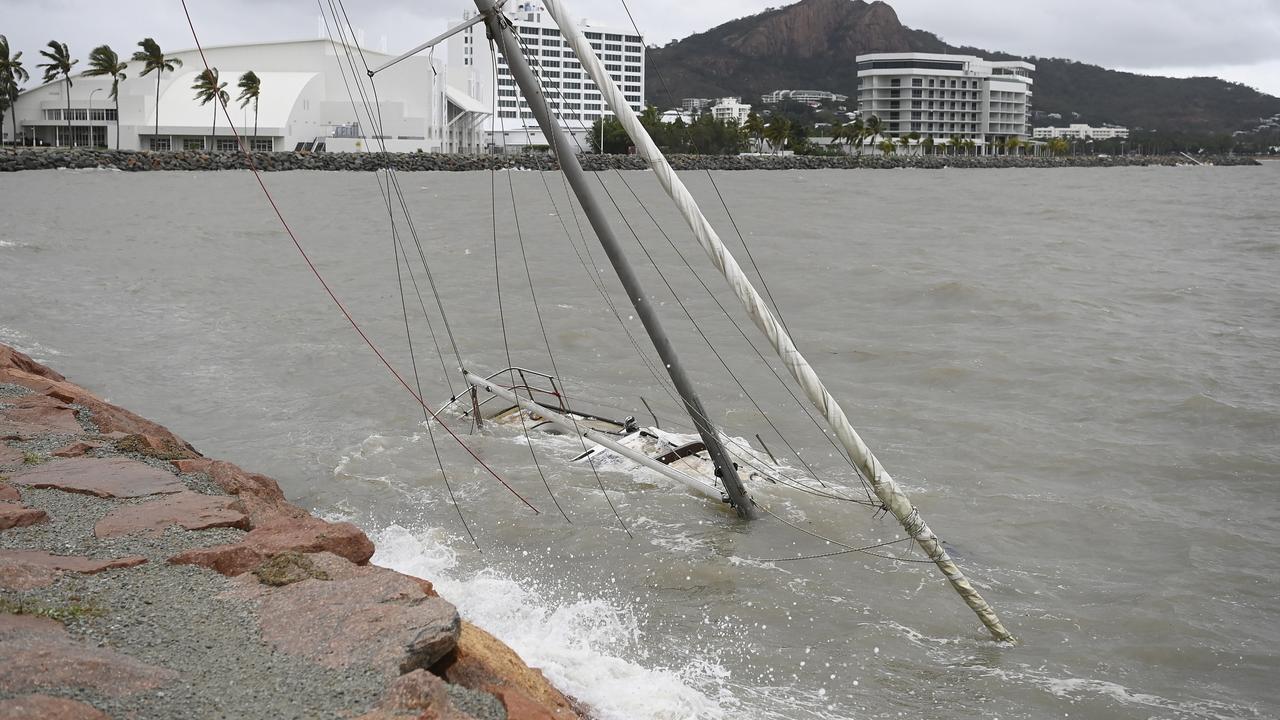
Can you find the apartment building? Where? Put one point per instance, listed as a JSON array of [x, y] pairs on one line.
[[569, 90], [942, 96]]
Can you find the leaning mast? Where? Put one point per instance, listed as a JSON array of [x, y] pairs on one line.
[[501, 33]]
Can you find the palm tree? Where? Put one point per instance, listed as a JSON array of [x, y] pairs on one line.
[[250, 87], [208, 88], [755, 128], [104, 61], [914, 137], [153, 60], [1058, 146], [60, 63], [778, 133], [12, 74], [874, 126], [928, 144], [970, 146], [857, 133], [886, 146], [956, 142], [905, 141]]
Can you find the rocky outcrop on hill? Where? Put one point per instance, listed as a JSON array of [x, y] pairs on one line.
[[11, 160], [139, 579]]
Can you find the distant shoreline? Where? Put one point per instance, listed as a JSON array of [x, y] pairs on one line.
[[14, 160]]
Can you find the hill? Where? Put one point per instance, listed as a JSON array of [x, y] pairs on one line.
[[813, 44]]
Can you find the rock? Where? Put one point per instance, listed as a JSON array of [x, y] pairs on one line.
[[9, 493], [156, 447], [43, 707], [9, 455], [43, 412], [288, 568], [21, 576], [363, 616], [101, 477], [10, 358], [283, 535], [190, 510], [41, 656], [482, 662], [418, 694], [67, 563], [193, 465], [14, 516], [262, 497], [76, 449]]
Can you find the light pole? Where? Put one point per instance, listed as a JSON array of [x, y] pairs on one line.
[[89, 117]]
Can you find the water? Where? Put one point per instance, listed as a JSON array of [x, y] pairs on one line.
[[1071, 371]]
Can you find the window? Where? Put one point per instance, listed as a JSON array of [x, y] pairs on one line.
[[917, 82], [193, 143], [227, 144], [160, 144], [262, 144]]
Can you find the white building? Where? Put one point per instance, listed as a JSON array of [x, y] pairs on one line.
[[730, 109], [568, 89], [696, 105], [809, 97], [303, 102], [940, 96], [1081, 131]]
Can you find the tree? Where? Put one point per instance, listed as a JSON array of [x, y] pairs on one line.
[[104, 61], [208, 88], [60, 63], [887, 146], [928, 144], [250, 87], [616, 140], [12, 74], [856, 133], [956, 142], [905, 141], [778, 133], [874, 126], [154, 60], [754, 127], [1059, 146]]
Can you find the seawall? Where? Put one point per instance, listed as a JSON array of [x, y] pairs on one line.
[[13, 160], [140, 579]]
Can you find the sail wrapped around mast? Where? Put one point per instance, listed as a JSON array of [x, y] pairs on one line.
[[885, 487]]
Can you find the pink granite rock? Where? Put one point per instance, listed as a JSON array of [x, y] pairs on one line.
[[418, 694], [190, 510], [101, 477], [67, 563], [76, 449], [15, 516], [43, 707]]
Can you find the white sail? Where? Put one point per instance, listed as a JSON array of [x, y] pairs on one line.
[[886, 489]]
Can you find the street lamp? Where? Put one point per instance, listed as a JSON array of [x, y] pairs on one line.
[[89, 117]]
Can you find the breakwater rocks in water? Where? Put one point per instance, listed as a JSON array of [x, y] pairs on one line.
[[12, 160], [139, 579]]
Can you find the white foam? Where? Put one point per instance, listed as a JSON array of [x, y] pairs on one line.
[[582, 645]]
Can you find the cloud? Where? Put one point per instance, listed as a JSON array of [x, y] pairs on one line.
[[1231, 36]]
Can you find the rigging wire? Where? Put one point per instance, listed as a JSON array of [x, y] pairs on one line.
[[329, 290], [497, 281]]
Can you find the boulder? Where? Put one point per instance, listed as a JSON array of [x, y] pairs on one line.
[[263, 499], [40, 656], [363, 616], [40, 411], [482, 662], [43, 707], [190, 510], [13, 516], [66, 563], [76, 449], [10, 455], [9, 493], [101, 477], [164, 448], [10, 358], [416, 695], [306, 534]]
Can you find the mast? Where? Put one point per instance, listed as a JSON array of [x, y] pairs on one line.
[[887, 490], [501, 33]]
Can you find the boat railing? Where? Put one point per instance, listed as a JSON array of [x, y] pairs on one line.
[[540, 387]]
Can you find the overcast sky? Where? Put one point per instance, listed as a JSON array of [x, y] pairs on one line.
[[1234, 39]]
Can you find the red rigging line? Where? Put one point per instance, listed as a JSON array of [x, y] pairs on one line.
[[333, 296]]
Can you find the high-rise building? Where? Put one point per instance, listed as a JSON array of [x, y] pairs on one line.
[[568, 89], [942, 96]]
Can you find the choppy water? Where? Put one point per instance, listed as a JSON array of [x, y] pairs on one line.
[[1072, 371]]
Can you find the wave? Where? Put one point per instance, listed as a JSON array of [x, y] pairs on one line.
[[579, 642]]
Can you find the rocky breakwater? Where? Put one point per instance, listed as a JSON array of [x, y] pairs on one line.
[[12, 160], [139, 579]]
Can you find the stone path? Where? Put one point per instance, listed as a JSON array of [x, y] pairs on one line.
[[139, 579]]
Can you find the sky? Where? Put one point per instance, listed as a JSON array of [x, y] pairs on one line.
[[1237, 40]]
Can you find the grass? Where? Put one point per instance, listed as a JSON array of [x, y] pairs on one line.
[[61, 613], [32, 458]]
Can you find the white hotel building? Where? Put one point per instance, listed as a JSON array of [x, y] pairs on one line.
[[568, 89], [940, 96], [1081, 131]]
